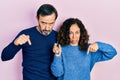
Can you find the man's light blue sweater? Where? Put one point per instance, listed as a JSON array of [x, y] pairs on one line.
[[75, 64]]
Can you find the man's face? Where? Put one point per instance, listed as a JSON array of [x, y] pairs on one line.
[[46, 23]]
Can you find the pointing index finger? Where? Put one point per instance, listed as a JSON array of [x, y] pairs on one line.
[[29, 42], [88, 50]]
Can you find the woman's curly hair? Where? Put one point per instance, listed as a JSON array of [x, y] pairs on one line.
[[63, 34]]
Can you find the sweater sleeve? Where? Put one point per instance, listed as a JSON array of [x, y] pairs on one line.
[[57, 66], [10, 50], [105, 52]]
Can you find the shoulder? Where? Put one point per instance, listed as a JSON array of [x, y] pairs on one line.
[[65, 48], [55, 32], [27, 30]]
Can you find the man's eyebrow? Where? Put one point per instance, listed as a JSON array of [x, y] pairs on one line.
[[47, 22]]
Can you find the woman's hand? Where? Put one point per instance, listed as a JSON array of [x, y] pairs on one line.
[[57, 49], [92, 47]]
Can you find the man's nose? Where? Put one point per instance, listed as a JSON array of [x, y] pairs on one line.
[[47, 27]]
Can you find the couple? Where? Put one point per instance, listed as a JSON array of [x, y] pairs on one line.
[[72, 58]]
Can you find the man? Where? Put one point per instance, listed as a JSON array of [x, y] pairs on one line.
[[36, 44]]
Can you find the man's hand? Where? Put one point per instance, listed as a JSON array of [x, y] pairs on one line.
[[22, 39]]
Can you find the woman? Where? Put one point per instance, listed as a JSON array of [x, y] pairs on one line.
[[76, 58]]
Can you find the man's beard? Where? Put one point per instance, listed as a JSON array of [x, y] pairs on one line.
[[45, 32]]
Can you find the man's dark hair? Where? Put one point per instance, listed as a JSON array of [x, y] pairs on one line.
[[46, 9]]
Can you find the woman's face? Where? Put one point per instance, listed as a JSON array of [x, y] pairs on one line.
[[74, 34]]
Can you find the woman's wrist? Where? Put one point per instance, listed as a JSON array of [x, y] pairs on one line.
[[58, 53]]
